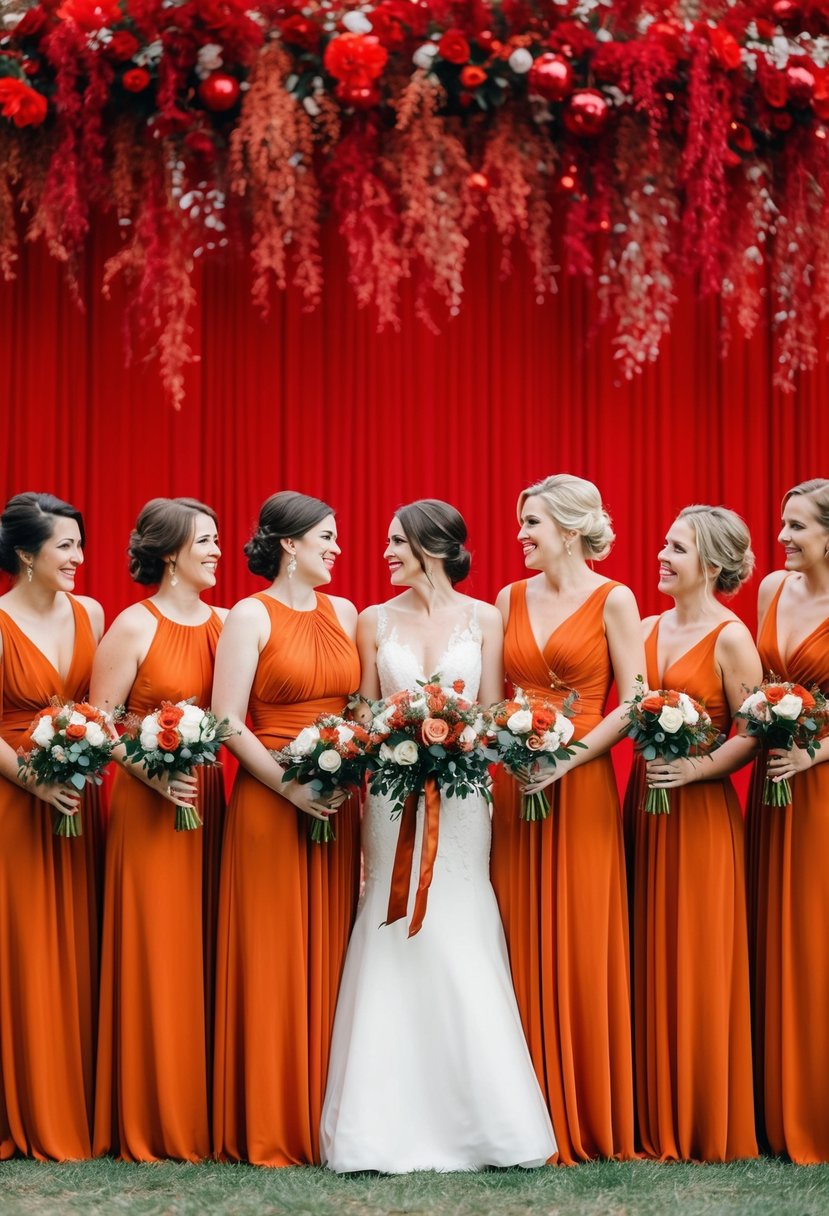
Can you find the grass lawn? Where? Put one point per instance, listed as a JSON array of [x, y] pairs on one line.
[[761, 1188]]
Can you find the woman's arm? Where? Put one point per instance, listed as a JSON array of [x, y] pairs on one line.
[[245, 633], [492, 655]]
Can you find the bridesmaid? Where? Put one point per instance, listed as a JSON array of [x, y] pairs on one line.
[[48, 913], [286, 904], [691, 1015], [788, 847], [152, 1093], [561, 882]]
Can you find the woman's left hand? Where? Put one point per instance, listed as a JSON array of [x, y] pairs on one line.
[[669, 774], [542, 775], [785, 763]]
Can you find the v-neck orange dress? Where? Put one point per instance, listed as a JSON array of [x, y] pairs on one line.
[[691, 1013], [286, 907], [562, 891], [48, 926], [152, 1086], [788, 859]]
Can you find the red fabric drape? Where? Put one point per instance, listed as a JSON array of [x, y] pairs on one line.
[[509, 390]]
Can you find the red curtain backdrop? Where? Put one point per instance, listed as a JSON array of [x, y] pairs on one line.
[[508, 391]]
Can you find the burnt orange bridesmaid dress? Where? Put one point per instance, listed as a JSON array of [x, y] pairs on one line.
[[286, 908], [48, 927], [691, 1010], [151, 1094], [790, 905], [562, 892]]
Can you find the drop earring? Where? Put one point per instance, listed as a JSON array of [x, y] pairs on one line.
[[568, 547], [173, 579], [30, 573], [291, 567]]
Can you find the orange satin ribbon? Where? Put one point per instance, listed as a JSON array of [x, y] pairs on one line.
[[401, 876]]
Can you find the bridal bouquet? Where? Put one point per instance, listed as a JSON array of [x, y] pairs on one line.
[[784, 715], [331, 754], [669, 725], [527, 731], [177, 738], [434, 734], [70, 745]]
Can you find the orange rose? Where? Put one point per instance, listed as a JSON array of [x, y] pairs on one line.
[[458, 686], [89, 711], [329, 735], [511, 707], [672, 698], [652, 703], [542, 720], [472, 76], [436, 702], [169, 716], [75, 730], [775, 693], [805, 696], [434, 730], [168, 740]]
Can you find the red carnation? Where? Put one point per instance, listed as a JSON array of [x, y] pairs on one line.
[[21, 103], [299, 31], [90, 15], [135, 80], [453, 47], [355, 59], [122, 46]]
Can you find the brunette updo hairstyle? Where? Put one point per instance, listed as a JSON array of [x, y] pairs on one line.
[[287, 515], [575, 504], [164, 526], [27, 523], [724, 542], [817, 491], [435, 529]]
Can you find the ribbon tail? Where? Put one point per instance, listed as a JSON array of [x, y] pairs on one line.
[[401, 875], [428, 853]]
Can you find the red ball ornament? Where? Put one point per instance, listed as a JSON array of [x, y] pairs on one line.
[[478, 182], [361, 97], [219, 92], [801, 85], [587, 113], [550, 77], [785, 10]]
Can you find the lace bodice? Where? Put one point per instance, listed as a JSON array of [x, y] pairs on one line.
[[398, 668]]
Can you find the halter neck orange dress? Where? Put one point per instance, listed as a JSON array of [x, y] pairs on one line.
[[48, 927], [286, 908], [691, 1014], [152, 1095], [788, 852], [562, 892]]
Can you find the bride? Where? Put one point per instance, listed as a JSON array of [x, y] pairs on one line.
[[429, 1067]]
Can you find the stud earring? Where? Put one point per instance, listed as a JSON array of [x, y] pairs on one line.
[[173, 579], [291, 567], [29, 573]]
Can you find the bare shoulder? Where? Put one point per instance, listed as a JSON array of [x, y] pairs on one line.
[[94, 611], [768, 588], [344, 608], [249, 614], [648, 623], [133, 624], [488, 615], [367, 619], [221, 613], [620, 603], [734, 638]]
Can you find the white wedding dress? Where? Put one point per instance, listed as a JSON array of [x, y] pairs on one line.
[[429, 1068]]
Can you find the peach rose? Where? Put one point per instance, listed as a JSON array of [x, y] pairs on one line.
[[168, 740], [775, 693], [75, 731], [435, 730]]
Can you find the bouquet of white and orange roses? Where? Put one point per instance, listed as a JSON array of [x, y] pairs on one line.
[[331, 754], [177, 738], [670, 725], [71, 744], [530, 731], [433, 733], [784, 715]]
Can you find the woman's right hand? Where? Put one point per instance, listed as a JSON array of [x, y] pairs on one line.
[[64, 798], [177, 788], [303, 798]]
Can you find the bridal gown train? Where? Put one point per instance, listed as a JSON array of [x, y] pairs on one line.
[[429, 1067]]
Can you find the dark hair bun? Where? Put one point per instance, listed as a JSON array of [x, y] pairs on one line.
[[457, 568], [437, 529]]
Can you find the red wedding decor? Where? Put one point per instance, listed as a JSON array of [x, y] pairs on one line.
[[650, 146]]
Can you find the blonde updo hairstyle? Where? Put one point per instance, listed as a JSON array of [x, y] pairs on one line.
[[575, 504], [817, 490], [723, 543]]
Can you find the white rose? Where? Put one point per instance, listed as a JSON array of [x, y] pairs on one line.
[[344, 733], [357, 23], [190, 731], [149, 740], [550, 741], [76, 719], [671, 719], [424, 55], [521, 722], [467, 736], [44, 732], [789, 707], [95, 734], [689, 713], [305, 742], [520, 60], [386, 752], [329, 760], [149, 726], [209, 59], [564, 728], [406, 752], [756, 706]]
